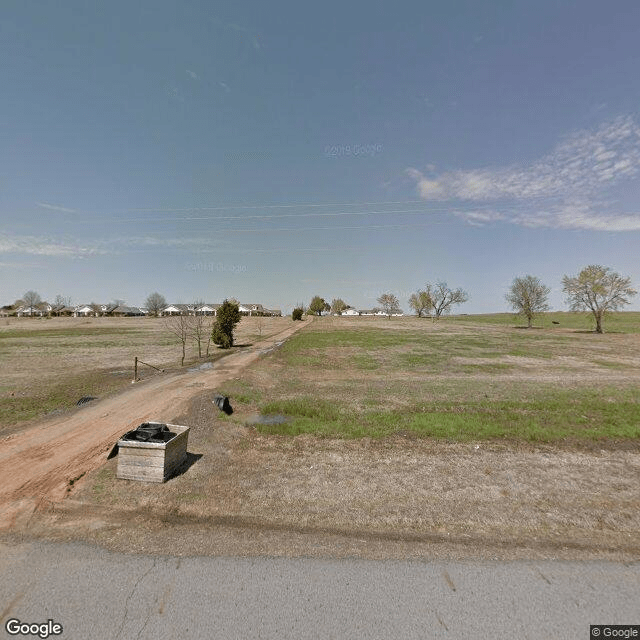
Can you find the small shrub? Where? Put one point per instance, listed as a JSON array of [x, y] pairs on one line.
[[227, 318], [297, 313]]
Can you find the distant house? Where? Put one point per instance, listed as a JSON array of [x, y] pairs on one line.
[[178, 310], [107, 309], [208, 309], [40, 309], [61, 310], [350, 311], [275, 313], [122, 311], [371, 312], [7, 310], [251, 309], [86, 310]]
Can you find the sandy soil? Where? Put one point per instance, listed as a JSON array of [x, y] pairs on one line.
[[40, 462]]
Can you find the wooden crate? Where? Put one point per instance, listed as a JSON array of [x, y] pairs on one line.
[[152, 461]]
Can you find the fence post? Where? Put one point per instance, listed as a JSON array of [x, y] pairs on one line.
[[135, 369]]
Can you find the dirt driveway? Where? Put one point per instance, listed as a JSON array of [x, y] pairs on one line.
[[40, 461]]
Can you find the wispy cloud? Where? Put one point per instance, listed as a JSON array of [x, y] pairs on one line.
[[560, 189], [156, 242], [72, 248], [54, 207], [39, 246], [193, 75]]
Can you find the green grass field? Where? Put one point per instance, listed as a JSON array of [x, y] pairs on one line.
[[620, 322], [460, 379]]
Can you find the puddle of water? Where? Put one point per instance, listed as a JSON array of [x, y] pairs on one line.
[[268, 419], [203, 367]]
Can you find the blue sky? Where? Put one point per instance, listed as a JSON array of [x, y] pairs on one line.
[[275, 151]]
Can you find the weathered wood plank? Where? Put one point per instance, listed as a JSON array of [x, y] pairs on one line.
[[140, 461], [150, 474]]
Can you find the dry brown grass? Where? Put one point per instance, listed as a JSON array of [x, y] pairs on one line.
[[398, 496], [51, 363]]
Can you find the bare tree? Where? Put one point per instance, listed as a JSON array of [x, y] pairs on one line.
[[444, 298], [421, 303], [390, 304], [260, 325], [32, 298], [528, 296], [597, 289], [338, 305], [61, 301], [198, 326], [180, 327], [155, 303]]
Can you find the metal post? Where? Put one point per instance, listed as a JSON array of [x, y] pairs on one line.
[[135, 369]]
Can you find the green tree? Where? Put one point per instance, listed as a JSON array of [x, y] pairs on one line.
[[338, 305], [599, 290], [297, 313], [421, 303], [527, 297], [227, 318], [318, 305]]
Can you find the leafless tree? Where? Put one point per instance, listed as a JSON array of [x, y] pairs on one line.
[[444, 298], [390, 304], [32, 298], [599, 290], [527, 297], [61, 301], [421, 303], [155, 303], [260, 325], [180, 327], [198, 326]]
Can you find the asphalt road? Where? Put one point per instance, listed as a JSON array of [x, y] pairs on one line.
[[97, 594]]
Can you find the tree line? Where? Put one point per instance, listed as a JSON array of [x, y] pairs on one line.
[[596, 289]]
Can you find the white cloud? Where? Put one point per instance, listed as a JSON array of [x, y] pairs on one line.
[[192, 244], [38, 246], [53, 207], [582, 166], [193, 75], [41, 246]]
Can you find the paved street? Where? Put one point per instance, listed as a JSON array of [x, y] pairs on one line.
[[97, 594]]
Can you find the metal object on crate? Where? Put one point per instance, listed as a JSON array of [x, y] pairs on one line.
[[156, 458]]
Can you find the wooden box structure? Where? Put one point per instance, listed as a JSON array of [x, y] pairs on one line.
[[152, 461]]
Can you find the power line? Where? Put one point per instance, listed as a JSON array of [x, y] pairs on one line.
[[278, 215]]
